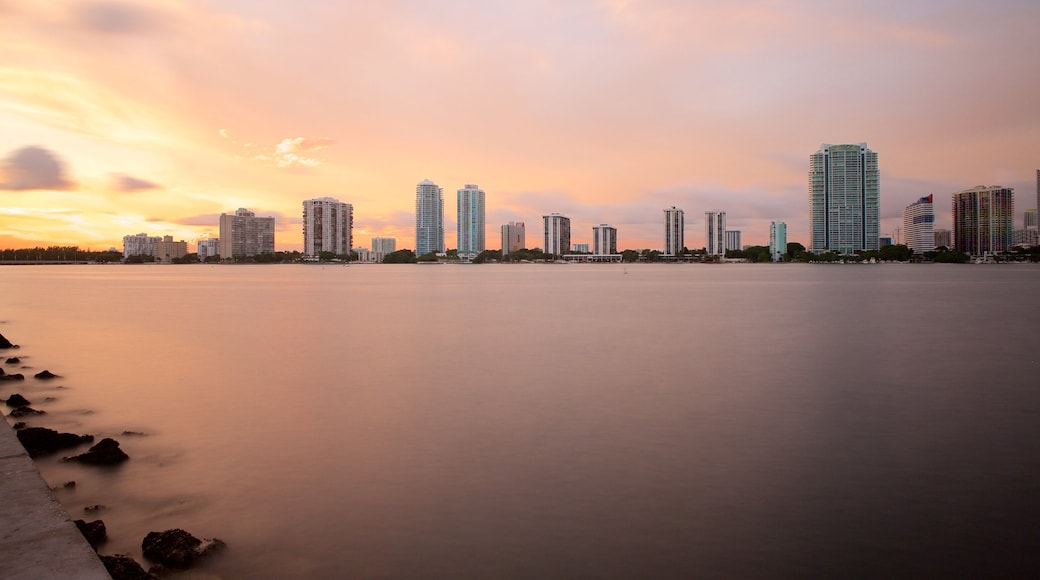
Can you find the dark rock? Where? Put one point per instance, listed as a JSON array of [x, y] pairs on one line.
[[134, 433], [13, 377], [13, 360], [106, 452], [4, 343], [17, 400], [177, 548], [122, 567], [25, 412], [46, 374], [18, 425], [69, 484], [94, 532], [41, 441], [95, 508], [1, 372]]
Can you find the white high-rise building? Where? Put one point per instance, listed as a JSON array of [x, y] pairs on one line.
[[429, 218], [844, 199], [207, 247], [733, 241], [674, 225], [140, 245], [328, 226], [470, 220], [384, 245], [919, 225], [777, 240], [244, 234], [557, 235], [513, 237], [715, 232], [604, 240]]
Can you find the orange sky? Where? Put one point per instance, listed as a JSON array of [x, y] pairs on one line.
[[156, 116]]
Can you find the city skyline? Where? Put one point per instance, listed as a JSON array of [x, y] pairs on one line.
[[606, 112]]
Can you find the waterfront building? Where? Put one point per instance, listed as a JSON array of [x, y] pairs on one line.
[[167, 250], [581, 249], [884, 241], [777, 240], [983, 220], [470, 220], [733, 240], [244, 234], [604, 240], [1029, 219], [328, 226], [944, 238], [919, 225], [139, 245], [384, 246], [513, 237], [715, 233], [1027, 238], [429, 218], [674, 226], [207, 247], [557, 234], [844, 199]]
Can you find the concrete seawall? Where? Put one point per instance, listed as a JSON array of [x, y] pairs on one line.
[[37, 537]]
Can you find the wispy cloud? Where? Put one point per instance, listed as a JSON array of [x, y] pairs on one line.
[[128, 184], [289, 152]]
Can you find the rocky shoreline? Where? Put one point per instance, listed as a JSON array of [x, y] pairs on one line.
[[166, 551]]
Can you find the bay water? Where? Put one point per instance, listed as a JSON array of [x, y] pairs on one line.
[[560, 421]]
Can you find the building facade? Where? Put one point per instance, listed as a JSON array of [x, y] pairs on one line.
[[244, 234], [513, 238], [429, 218], [328, 226], [139, 245], [1029, 219], [777, 240], [983, 220], [471, 220], [715, 233], [604, 240], [944, 239], [919, 225], [844, 199], [674, 226], [384, 246], [733, 240], [207, 247], [557, 234]]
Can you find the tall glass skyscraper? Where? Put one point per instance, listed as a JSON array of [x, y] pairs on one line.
[[777, 240], [429, 218], [674, 219], [844, 199], [471, 220]]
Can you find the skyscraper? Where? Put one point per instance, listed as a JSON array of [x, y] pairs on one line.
[[943, 239], [429, 218], [1029, 219], [513, 237], [384, 245], [983, 220], [715, 232], [557, 234], [244, 234], [777, 240], [844, 199], [604, 240], [471, 220], [919, 225], [328, 226], [674, 224]]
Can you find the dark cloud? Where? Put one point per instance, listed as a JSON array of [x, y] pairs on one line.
[[32, 168], [116, 18], [129, 184]]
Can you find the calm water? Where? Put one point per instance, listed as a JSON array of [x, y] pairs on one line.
[[550, 421]]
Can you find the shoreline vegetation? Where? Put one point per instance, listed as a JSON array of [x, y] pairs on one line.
[[796, 253], [168, 550]]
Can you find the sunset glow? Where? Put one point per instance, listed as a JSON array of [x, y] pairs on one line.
[[157, 116]]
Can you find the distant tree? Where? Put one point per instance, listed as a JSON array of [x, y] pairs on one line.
[[400, 257], [327, 256], [488, 256], [452, 254], [428, 257], [630, 256], [214, 259]]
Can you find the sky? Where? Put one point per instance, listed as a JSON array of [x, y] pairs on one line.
[[156, 116]]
